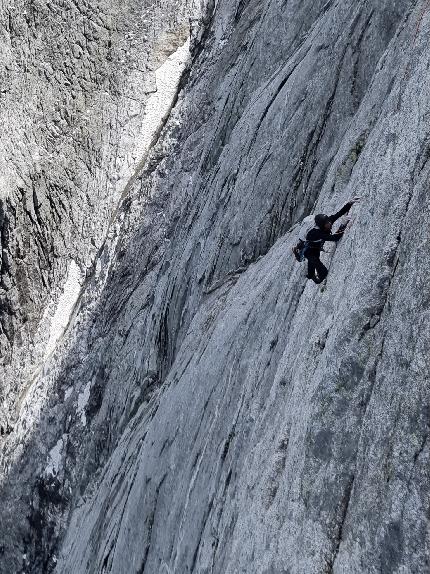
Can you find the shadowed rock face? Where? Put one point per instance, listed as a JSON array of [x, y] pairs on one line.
[[206, 409], [76, 81]]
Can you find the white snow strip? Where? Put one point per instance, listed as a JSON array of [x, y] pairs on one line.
[[65, 306], [167, 79], [83, 399], [55, 458], [156, 109]]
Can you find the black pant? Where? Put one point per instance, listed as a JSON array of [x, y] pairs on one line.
[[315, 264]]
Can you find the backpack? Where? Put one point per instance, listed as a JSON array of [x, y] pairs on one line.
[[299, 250]]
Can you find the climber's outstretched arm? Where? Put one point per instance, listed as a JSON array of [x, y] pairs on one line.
[[344, 210]]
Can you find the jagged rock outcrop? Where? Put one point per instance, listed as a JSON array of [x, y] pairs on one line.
[[207, 409], [80, 98]]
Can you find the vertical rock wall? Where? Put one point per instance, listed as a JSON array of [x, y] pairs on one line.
[[207, 409], [77, 78]]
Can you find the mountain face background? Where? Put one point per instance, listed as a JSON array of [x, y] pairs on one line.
[[176, 397]]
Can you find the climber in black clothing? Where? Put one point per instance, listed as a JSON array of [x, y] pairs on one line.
[[318, 235]]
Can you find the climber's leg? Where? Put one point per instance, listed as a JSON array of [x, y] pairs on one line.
[[321, 270], [315, 264], [311, 267]]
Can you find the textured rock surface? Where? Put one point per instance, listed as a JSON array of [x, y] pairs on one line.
[[77, 81], [207, 410]]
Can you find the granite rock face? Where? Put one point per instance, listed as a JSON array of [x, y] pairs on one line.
[[204, 408], [78, 84]]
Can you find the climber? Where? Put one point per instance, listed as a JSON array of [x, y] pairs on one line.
[[312, 244]]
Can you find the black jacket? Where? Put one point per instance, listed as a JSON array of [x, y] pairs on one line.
[[317, 236]]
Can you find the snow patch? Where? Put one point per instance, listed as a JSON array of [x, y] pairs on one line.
[[55, 458], [83, 399], [156, 109], [167, 79], [65, 306]]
